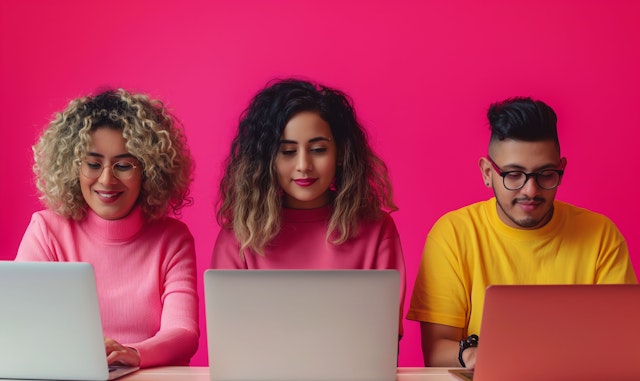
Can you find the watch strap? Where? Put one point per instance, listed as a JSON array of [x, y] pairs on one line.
[[469, 342]]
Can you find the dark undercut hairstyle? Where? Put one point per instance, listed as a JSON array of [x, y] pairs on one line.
[[524, 119]]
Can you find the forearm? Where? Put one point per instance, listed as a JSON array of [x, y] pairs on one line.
[[176, 340], [442, 353], [170, 347]]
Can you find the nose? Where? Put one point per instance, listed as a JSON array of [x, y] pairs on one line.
[[530, 187], [303, 163], [107, 176]]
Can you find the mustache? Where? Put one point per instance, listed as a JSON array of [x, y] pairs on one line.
[[527, 199]]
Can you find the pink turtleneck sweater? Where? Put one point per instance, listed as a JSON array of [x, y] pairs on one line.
[[302, 244], [145, 275]]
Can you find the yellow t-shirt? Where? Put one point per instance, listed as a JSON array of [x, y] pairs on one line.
[[471, 248]]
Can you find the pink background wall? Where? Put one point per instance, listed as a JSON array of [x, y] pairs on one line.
[[422, 74]]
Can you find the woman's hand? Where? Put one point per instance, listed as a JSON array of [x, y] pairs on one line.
[[117, 354]]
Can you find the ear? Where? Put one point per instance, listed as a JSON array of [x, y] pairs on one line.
[[485, 169], [563, 162]]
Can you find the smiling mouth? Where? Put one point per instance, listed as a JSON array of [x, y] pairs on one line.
[[305, 182], [108, 196]]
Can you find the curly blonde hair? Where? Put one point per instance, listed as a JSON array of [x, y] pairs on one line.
[[250, 201], [152, 135]]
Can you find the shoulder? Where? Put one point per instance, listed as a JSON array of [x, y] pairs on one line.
[[169, 228], [576, 211], [469, 214], [226, 251], [381, 226], [171, 224], [47, 237], [226, 237], [48, 215], [50, 220], [578, 216], [382, 221]]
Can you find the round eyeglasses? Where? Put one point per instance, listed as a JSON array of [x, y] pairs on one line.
[[123, 170], [513, 180]]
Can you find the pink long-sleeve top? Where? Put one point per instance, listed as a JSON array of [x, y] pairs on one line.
[[145, 276], [302, 244]]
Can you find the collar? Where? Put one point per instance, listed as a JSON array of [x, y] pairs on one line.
[[121, 230]]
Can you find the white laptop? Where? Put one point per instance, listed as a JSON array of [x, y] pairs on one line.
[[559, 332], [50, 327], [297, 325]]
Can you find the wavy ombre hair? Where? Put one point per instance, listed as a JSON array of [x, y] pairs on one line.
[[152, 135], [250, 199]]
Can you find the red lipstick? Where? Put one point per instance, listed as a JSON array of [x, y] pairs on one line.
[[305, 182]]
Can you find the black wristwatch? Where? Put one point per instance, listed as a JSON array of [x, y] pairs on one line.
[[471, 341]]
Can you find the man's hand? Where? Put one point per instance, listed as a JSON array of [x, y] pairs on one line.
[[469, 357]]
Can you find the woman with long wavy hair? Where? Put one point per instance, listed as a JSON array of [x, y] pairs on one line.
[[303, 189]]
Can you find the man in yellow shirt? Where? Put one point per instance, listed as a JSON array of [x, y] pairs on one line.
[[521, 236]]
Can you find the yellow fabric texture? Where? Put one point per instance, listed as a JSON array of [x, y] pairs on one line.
[[471, 248]]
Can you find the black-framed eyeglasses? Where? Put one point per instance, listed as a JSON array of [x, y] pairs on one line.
[[123, 170], [513, 180]]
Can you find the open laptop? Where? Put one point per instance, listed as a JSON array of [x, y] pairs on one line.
[[297, 325], [559, 332], [50, 327]]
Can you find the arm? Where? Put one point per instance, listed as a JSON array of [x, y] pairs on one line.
[[37, 243], [440, 346], [441, 299], [226, 252], [177, 339], [389, 256], [614, 264]]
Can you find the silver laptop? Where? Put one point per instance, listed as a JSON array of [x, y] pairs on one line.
[[559, 332], [297, 325], [50, 327]]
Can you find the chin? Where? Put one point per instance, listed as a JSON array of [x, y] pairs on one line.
[[528, 224]]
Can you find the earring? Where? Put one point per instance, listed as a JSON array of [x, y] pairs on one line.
[[332, 186]]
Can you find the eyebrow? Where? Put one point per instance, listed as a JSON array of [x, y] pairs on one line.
[[515, 167], [313, 140], [121, 156]]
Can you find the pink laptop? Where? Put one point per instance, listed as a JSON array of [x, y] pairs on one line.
[[559, 332]]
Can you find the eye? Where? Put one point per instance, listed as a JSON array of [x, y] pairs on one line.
[[288, 149], [548, 174], [93, 164], [123, 166], [288, 152], [513, 175], [318, 149]]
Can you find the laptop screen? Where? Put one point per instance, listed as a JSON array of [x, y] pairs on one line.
[[50, 327], [560, 332], [302, 324]]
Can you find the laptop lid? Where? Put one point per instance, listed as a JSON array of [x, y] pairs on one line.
[[560, 332], [50, 327], [318, 325]]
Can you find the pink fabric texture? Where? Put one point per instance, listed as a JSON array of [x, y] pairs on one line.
[[302, 244], [145, 276]]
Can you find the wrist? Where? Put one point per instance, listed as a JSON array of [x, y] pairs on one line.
[[469, 342]]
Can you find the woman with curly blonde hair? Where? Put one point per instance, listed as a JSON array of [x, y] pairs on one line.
[[303, 189], [111, 169]]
